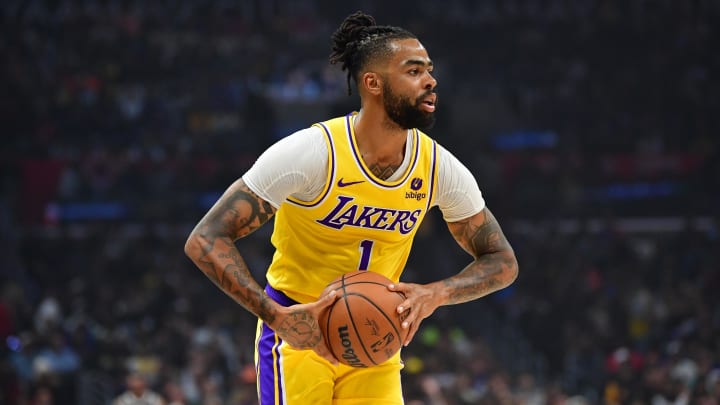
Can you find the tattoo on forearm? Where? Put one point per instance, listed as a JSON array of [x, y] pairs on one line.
[[494, 266], [481, 277]]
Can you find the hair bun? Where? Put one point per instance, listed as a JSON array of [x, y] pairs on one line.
[[359, 38], [352, 30], [357, 24]]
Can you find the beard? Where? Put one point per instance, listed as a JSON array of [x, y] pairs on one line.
[[404, 112]]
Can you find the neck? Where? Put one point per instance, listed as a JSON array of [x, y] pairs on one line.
[[379, 138], [381, 146]]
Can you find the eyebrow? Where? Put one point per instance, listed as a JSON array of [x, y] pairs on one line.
[[420, 62]]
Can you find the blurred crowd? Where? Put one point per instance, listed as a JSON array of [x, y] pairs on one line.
[[124, 120]]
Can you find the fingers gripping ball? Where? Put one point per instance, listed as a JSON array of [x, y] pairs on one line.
[[362, 328]]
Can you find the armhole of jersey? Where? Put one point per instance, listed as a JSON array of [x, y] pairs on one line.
[[330, 173], [433, 175]]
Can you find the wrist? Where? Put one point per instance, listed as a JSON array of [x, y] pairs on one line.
[[441, 292], [270, 311]]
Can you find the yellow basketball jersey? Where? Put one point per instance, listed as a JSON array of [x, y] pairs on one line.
[[358, 221]]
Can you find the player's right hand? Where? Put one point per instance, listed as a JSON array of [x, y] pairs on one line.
[[298, 326]]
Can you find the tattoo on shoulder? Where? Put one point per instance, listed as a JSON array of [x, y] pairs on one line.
[[239, 213]]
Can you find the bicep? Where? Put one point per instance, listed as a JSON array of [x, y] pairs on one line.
[[458, 194], [480, 234], [238, 212], [294, 166]]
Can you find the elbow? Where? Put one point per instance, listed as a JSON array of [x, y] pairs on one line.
[[511, 269], [191, 245]]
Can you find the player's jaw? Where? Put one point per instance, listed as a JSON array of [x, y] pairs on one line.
[[408, 113]]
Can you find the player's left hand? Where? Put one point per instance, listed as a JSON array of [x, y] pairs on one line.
[[421, 300]]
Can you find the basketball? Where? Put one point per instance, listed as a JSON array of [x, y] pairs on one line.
[[362, 327]]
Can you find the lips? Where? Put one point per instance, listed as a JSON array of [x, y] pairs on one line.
[[428, 103]]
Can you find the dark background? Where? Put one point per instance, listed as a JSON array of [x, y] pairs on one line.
[[591, 126]]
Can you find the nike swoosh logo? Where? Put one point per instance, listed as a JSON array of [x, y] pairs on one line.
[[340, 183]]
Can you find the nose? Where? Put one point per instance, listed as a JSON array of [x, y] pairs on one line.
[[431, 82]]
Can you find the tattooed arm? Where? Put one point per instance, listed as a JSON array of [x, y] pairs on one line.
[[211, 247], [494, 268]]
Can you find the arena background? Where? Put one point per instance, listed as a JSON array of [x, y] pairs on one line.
[[591, 125]]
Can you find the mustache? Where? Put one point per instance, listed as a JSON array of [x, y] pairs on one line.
[[426, 94]]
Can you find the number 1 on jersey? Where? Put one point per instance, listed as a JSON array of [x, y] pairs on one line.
[[365, 249]]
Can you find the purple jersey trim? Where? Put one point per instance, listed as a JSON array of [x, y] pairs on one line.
[[269, 356], [370, 176]]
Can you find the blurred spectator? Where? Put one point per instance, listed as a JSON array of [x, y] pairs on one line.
[[42, 396], [56, 366], [137, 392]]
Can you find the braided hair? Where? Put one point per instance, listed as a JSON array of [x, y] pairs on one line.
[[359, 40]]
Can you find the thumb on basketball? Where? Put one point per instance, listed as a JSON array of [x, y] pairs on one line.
[[321, 348], [327, 299]]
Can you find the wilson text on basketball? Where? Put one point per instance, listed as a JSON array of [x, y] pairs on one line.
[[349, 353]]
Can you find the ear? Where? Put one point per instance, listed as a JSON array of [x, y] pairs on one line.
[[372, 83]]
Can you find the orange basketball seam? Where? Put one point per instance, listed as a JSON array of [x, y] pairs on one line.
[[355, 329], [352, 319]]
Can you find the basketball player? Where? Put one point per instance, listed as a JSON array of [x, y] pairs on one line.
[[347, 194]]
